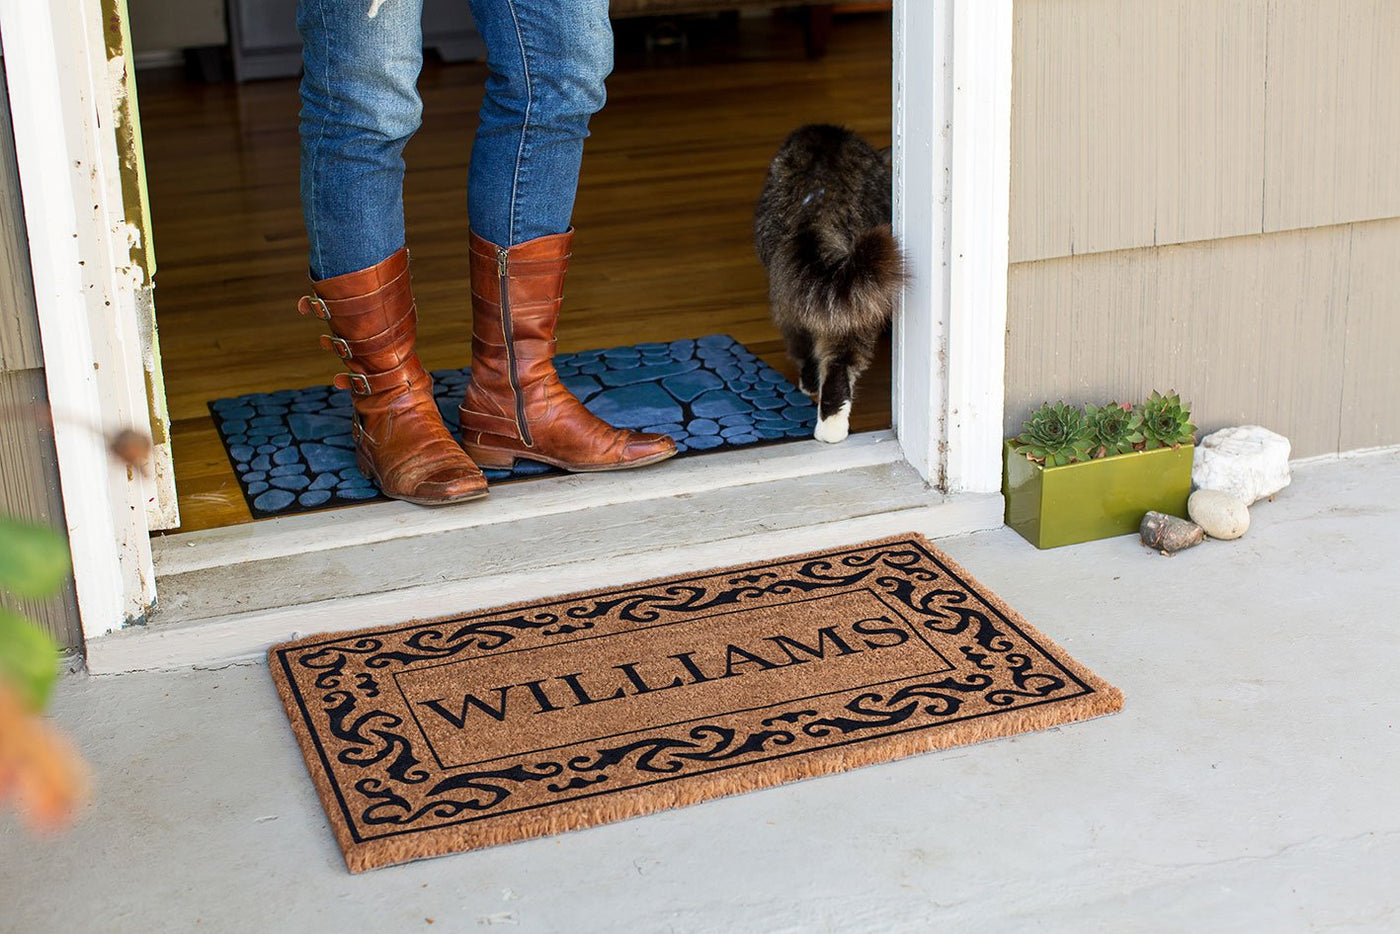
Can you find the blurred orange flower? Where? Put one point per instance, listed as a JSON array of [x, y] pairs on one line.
[[39, 769]]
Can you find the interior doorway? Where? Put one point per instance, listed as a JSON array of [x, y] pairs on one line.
[[663, 251]]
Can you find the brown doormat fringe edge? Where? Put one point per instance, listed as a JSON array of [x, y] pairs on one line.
[[380, 717]]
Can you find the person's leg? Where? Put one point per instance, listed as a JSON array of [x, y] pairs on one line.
[[548, 61], [360, 106]]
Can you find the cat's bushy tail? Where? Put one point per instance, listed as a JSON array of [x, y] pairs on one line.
[[848, 278]]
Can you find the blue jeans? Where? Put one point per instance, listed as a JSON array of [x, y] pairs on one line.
[[548, 60]]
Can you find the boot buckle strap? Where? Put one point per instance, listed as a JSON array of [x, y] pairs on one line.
[[364, 384], [345, 349], [338, 345], [314, 305], [357, 383]]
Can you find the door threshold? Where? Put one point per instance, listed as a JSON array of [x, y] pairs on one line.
[[227, 594]]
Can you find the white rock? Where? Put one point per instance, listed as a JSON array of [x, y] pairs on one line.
[[1219, 514], [1247, 462]]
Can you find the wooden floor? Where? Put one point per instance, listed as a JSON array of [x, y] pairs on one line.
[[663, 248]]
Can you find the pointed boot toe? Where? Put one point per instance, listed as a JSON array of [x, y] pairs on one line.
[[646, 449], [449, 485]]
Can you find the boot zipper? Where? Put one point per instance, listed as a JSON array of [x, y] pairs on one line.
[[502, 256]]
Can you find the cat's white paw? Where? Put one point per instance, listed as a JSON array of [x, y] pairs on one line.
[[835, 428]]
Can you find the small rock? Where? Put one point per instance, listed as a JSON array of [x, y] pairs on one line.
[[1219, 514], [1169, 534], [1247, 462]]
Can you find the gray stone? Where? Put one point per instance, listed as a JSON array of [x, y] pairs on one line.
[[1220, 514], [1169, 534]]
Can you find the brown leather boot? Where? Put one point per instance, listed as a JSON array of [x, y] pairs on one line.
[[400, 441], [515, 405]]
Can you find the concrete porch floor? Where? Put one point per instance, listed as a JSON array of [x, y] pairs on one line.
[[1252, 782]]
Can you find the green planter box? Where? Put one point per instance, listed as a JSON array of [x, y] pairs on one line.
[[1093, 499]]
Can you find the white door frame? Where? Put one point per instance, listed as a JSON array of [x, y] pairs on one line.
[[63, 111], [952, 106], [952, 157]]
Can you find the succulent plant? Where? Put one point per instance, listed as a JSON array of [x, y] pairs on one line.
[[1055, 435], [1166, 423], [1114, 428]]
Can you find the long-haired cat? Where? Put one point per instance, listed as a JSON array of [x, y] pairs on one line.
[[822, 228]]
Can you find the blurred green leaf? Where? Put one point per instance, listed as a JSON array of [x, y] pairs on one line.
[[33, 559], [28, 660]]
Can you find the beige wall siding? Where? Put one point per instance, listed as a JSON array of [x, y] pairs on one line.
[[1332, 150], [1370, 403], [1297, 331], [28, 466], [1148, 122], [1205, 197], [29, 490], [19, 327]]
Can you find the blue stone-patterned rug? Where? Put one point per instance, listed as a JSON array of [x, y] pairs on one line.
[[292, 450]]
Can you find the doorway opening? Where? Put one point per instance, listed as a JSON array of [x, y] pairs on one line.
[[697, 107]]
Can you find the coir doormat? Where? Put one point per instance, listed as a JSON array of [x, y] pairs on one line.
[[292, 450], [558, 714]]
